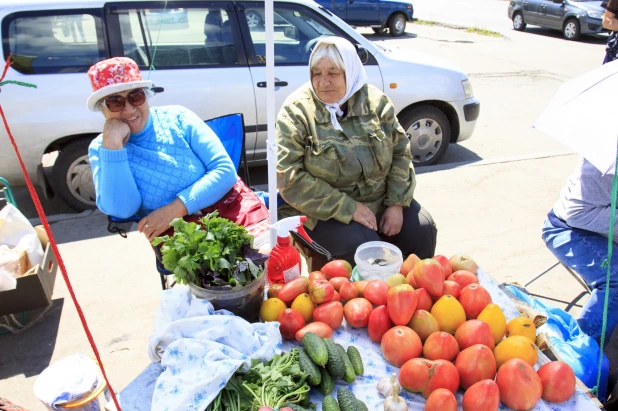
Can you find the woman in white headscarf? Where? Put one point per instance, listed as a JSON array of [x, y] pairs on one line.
[[345, 162]]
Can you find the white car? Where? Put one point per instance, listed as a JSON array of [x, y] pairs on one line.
[[212, 63]]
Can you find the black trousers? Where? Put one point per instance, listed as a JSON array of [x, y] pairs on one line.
[[418, 235]]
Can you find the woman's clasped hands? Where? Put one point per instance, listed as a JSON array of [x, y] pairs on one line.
[[390, 223]]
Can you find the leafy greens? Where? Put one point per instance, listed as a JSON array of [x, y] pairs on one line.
[[216, 252], [272, 384]]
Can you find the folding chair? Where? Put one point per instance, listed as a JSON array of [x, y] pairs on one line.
[[577, 277], [231, 131]]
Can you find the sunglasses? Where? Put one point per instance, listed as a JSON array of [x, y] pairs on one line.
[[117, 103]]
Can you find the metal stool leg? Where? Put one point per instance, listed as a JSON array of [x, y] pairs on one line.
[[536, 277], [579, 279]]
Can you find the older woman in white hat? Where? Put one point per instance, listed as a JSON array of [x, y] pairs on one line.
[[156, 162], [345, 162]]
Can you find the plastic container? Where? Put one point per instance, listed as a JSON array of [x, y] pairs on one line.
[[89, 403], [73, 383], [244, 302], [284, 264], [377, 260]]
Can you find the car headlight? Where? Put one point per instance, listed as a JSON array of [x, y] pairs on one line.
[[595, 14], [467, 86]]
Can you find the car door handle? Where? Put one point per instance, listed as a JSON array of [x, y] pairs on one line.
[[351, 1], [262, 84]]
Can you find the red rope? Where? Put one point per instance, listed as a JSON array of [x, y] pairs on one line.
[[52, 241], [6, 67]]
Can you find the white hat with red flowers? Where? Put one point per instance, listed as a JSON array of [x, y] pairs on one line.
[[112, 76]]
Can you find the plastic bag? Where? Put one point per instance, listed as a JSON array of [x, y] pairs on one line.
[[575, 347], [17, 232]]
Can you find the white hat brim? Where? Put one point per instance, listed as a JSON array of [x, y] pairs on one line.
[[94, 98]]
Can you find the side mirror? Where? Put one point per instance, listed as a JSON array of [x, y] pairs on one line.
[[363, 54], [558, 1], [290, 32]]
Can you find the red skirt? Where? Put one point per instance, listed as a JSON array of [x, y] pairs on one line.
[[240, 205]]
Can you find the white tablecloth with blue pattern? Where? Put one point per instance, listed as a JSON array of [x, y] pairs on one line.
[[139, 394], [377, 368]]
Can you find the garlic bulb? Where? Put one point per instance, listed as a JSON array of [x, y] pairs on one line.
[[385, 385], [395, 402]]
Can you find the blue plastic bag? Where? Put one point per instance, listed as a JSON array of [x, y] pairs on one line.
[[577, 349]]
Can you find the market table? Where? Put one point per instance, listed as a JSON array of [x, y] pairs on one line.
[[138, 395]]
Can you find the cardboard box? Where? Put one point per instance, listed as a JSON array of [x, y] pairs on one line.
[[34, 289]]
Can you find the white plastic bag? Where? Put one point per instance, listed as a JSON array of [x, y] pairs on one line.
[[16, 231]]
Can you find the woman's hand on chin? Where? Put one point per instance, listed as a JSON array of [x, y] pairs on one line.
[[365, 216], [115, 134], [392, 220], [157, 222]]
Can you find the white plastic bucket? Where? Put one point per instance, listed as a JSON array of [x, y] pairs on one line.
[[368, 253], [74, 383]]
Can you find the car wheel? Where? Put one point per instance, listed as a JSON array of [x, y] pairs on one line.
[[397, 25], [72, 176], [570, 31], [429, 132], [379, 30], [253, 19], [518, 22]]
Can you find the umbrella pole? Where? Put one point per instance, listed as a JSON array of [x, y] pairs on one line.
[[271, 144]]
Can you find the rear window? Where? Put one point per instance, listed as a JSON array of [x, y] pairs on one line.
[[54, 41]]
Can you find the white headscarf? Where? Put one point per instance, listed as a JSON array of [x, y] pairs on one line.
[[355, 75]]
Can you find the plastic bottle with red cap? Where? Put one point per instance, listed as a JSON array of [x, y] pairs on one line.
[[284, 263]]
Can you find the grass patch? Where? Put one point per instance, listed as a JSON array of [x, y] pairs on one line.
[[473, 30], [426, 23], [483, 32]]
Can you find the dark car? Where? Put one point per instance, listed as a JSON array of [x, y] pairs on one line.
[[572, 17], [380, 15]]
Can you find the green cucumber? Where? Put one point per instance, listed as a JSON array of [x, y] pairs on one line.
[[360, 406], [356, 360], [327, 385], [347, 400], [330, 404], [350, 374], [308, 366], [315, 348], [335, 364]]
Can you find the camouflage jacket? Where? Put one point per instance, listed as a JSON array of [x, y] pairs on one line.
[[322, 172]]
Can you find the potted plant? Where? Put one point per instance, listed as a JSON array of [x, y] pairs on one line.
[[216, 260]]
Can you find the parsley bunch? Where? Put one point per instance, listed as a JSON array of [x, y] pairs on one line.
[[216, 252], [272, 384]]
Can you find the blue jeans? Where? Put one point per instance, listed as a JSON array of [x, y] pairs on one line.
[[584, 251]]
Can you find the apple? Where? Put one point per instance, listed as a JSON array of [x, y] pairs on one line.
[[463, 262]]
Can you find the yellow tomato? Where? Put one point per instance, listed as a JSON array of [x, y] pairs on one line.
[[522, 326], [516, 346], [449, 313], [271, 309], [304, 306], [492, 314]]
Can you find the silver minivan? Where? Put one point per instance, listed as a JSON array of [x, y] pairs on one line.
[[208, 59]]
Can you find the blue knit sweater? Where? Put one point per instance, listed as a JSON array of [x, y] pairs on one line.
[[175, 155]]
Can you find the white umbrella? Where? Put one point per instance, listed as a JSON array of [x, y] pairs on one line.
[[582, 115], [271, 144]]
